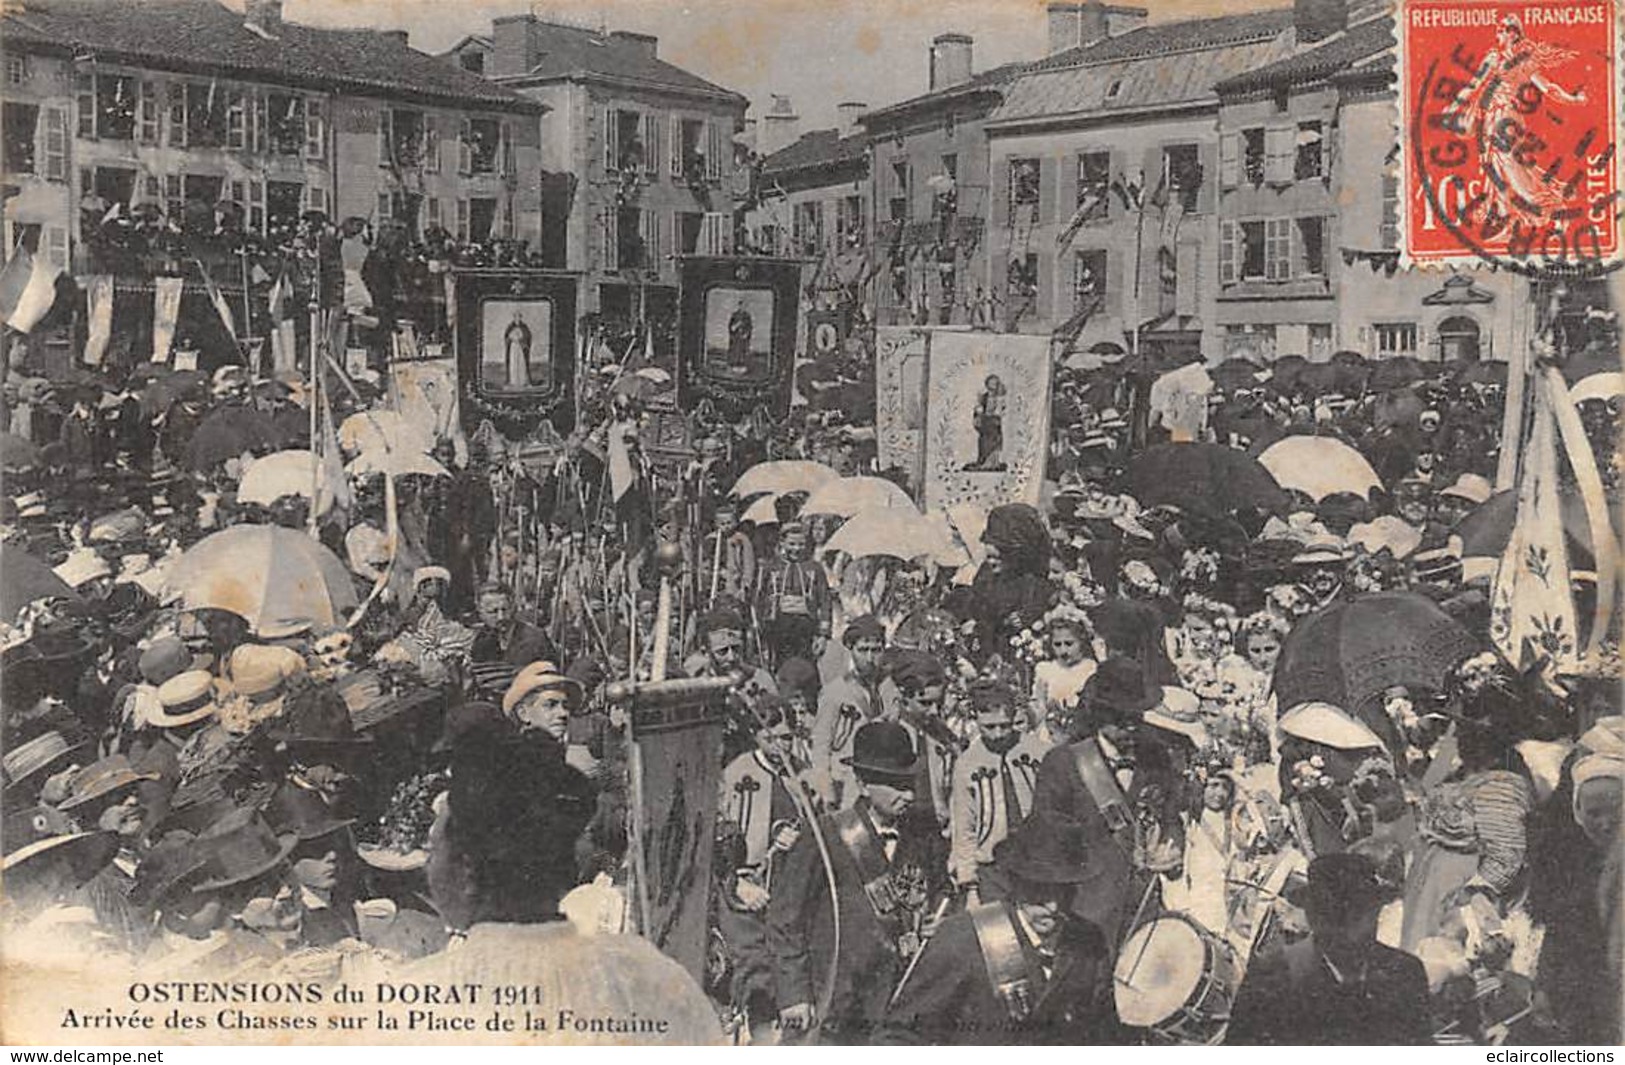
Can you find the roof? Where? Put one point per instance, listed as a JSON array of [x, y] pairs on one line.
[[990, 79], [1354, 47], [822, 147], [484, 40], [1163, 65], [205, 36], [573, 52]]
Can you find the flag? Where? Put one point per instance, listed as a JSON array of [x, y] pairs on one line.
[[1159, 195], [166, 308], [34, 295], [620, 461], [256, 353], [14, 279], [333, 486], [218, 299], [285, 347], [1173, 213], [99, 300], [1087, 204], [1532, 613], [353, 253], [277, 301]]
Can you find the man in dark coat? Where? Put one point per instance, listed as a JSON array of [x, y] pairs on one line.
[[1014, 971], [889, 871], [1338, 987], [1118, 784]]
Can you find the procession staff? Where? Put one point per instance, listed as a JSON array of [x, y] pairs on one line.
[[885, 868], [1016, 970]]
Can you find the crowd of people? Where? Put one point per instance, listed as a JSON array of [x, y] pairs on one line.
[[1175, 756]]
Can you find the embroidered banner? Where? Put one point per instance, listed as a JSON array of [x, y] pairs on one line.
[[901, 355], [987, 419]]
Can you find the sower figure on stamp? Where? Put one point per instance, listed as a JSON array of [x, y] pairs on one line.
[[835, 973], [1018, 969]]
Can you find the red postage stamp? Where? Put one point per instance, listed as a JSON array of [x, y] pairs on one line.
[[1509, 122]]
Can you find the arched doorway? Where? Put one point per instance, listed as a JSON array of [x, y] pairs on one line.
[[1458, 339]]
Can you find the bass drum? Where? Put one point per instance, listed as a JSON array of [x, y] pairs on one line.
[[1176, 980]]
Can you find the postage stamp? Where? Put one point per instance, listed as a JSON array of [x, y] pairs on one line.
[[1509, 123]]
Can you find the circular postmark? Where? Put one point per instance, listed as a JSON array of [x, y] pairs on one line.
[[1515, 168]]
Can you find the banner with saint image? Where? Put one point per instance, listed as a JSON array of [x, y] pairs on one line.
[[987, 419]]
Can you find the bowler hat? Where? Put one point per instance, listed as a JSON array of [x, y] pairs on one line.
[[883, 752], [1044, 850], [240, 847]]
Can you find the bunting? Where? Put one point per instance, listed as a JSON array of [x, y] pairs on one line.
[[99, 301], [33, 280], [166, 309], [218, 300]]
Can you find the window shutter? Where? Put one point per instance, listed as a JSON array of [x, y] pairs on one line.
[[1227, 253], [1277, 249], [1295, 266], [505, 151], [431, 207], [315, 129], [999, 178], [382, 213], [85, 92], [1066, 196], [147, 123], [465, 148], [236, 119], [606, 128], [651, 145], [1046, 190], [1045, 303], [462, 219], [1207, 155], [384, 136], [431, 146], [611, 239], [507, 218], [56, 144], [256, 205], [714, 155], [1230, 160], [153, 190], [56, 246], [1279, 148]]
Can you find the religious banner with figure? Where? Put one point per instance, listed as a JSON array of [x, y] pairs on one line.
[[736, 334], [679, 768], [515, 343], [987, 419], [901, 354]]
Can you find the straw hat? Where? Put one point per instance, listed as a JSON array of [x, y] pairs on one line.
[[183, 699], [47, 751], [83, 566], [102, 780], [1329, 726], [541, 676], [1177, 712]]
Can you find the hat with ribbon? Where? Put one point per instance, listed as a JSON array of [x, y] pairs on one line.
[[49, 751], [171, 867], [82, 566], [541, 676], [257, 669], [39, 838], [183, 699], [1177, 711], [1322, 549], [240, 847], [430, 573], [883, 753]]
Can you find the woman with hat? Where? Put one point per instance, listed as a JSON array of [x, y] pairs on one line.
[[500, 860], [47, 864], [324, 869], [1012, 588]]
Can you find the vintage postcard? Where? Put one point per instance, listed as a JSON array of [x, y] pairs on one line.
[[761, 522]]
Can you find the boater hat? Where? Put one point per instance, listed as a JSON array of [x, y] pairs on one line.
[[184, 699]]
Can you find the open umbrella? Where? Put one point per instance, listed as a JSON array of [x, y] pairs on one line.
[[1598, 386], [890, 533], [1485, 531], [23, 579], [1483, 372], [1320, 378], [17, 453], [274, 578], [229, 432], [1352, 651], [852, 495], [1235, 373], [285, 473], [1389, 374], [1318, 466], [1201, 477], [384, 430], [643, 384], [396, 464], [784, 475]]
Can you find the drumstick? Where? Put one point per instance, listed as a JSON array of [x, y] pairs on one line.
[[1133, 926], [942, 907]]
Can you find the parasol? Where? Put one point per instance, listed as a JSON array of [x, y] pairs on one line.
[[1604, 386], [1350, 652], [229, 432], [762, 512], [274, 578], [285, 473], [1397, 372], [384, 430], [784, 475], [1319, 466], [891, 533], [24, 579], [1235, 373], [852, 495], [396, 464], [1203, 477], [1320, 378], [643, 384], [1486, 530], [17, 453]]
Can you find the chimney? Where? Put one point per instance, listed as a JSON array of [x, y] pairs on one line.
[[401, 37], [950, 60], [779, 128], [642, 42], [1078, 25], [849, 112], [1316, 20], [263, 17], [515, 45]]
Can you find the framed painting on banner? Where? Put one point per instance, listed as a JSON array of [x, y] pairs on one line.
[[736, 334], [901, 358], [987, 419], [515, 336]]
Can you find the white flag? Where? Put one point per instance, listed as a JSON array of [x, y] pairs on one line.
[[166, 309], [99, 299]]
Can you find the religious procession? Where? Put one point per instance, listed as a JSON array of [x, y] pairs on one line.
[[793, 636]]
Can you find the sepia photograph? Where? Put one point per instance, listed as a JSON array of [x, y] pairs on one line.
[[812, 523]]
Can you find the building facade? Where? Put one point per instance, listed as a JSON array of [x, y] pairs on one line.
[[930, 192], [1309, 213], [1104, 162], [814, 198], [186, 104], [637, 160]]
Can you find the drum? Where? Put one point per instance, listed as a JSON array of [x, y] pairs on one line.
[[1176, 980]]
